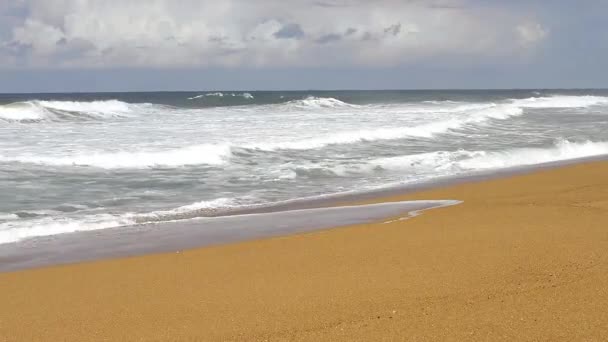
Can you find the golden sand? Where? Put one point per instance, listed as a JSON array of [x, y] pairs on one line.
[[522, 259]]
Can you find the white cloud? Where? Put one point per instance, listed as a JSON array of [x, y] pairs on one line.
[[43, 38], [530, 33], [176, 33]]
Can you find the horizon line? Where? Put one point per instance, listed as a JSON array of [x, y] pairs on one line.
[[295, 90]]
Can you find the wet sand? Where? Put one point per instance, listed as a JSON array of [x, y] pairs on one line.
[[522, 258], [187, 234]]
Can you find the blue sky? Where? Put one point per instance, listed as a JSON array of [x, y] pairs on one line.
[[110, 45]]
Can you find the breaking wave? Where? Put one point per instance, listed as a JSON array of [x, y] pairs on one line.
[[498, 112], [561, 101], [16, 230], [247, 96], [209, 154], [313, 102], [449, 162], [32, 111]]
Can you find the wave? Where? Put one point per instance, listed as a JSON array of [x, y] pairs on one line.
[[15, 230], [561, 150], [473, 113], [498, 112], [209, 154], [197, 209], [450, 106], [313, 102], [107, 106], [247, 96], [35, 110], [454, 162], [561, 101], [8, 217]]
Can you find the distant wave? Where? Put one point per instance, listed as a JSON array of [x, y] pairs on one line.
[[561, 101], [209, 154], [32, 111], [247, 96], [313, 102], [107, 106], [498, 112]]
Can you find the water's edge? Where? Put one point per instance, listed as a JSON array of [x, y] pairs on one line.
[[290, 217], [188, 234]]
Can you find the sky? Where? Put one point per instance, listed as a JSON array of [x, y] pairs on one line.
[[147, 45]]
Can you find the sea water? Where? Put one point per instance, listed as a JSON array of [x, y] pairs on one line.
[[78, 162]]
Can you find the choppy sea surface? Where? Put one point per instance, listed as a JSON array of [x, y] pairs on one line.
[[76, 162]]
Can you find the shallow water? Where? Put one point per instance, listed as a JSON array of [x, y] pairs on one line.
[[177, 236]]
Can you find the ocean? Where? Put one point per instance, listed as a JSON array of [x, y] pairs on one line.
[[91, 161]]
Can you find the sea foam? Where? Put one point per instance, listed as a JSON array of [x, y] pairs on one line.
[[16, 230], [31, 111], [247, 96], [561, 101], [312, 102], [474, 116], [208, 154], [463, 160]]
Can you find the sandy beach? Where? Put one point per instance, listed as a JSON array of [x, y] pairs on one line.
[[522, 258]]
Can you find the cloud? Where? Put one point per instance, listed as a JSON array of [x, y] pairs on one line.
[[328, 38], [290, 31], [530, 33], [268, 33], [393, 29]]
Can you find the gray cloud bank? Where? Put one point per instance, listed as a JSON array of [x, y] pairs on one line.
[[259, 34]]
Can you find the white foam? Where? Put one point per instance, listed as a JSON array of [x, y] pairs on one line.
[[499, 112], [445, 107], [561, 101], [202, 208], [18, 230], [48, 110], [196, 97], [313, 102], [107, 106], [192, 155], [562, 150], [247, 96], [22, 111], [8, 217], [451, 162], [431, 161]]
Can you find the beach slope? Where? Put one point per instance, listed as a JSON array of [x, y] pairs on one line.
[[522, 258]]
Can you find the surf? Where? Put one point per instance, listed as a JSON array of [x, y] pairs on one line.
[[204, 154], [37, 110], [448, 162]]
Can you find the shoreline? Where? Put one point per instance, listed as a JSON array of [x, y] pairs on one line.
[[148, 237], [166, 237], [521, 258], [184, 233]]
